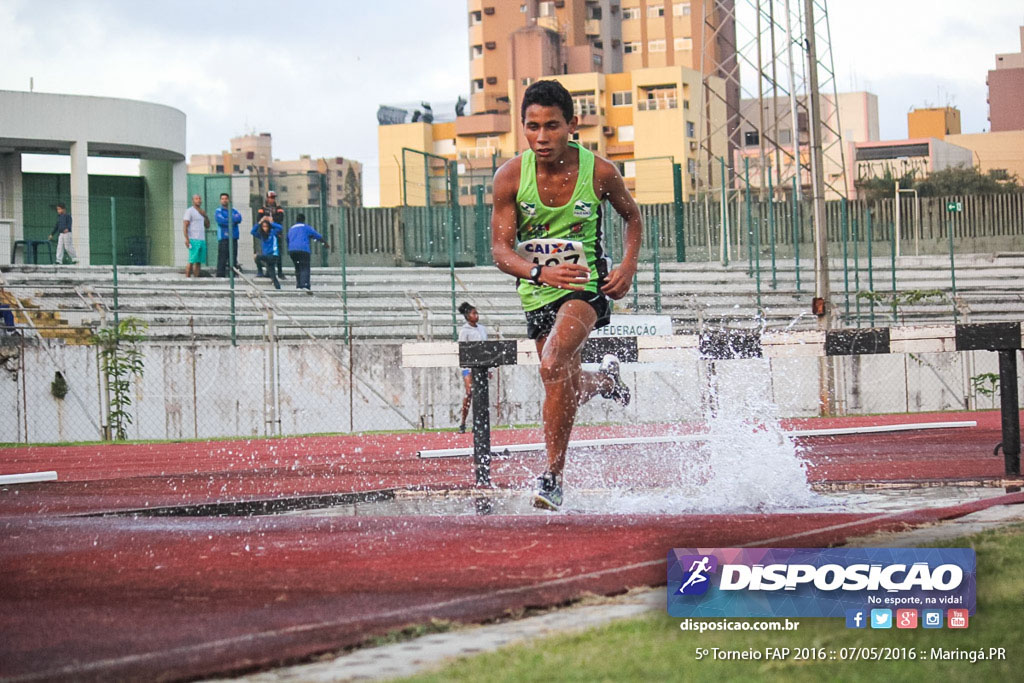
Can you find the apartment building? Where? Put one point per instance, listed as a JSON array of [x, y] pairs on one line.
[[298, 182], [773, 152], [646, 120], [1006, 91]]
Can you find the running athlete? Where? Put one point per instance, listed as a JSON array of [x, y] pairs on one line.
[[547, 232]]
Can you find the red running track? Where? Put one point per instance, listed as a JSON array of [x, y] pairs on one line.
[[167, 598]]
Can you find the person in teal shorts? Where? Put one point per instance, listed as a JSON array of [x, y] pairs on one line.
[[195, 224], [547, 232]]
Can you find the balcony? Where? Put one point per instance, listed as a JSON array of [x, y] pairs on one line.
[[586, 120], [592, 27], [485, 152], [482, 124], [657, 103]]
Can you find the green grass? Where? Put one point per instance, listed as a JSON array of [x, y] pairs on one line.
[[652, 648]]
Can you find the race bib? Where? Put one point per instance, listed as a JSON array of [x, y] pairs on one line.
[[552, 252]]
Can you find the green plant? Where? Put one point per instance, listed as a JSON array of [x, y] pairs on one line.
[[121, 360], [59, 386], [897, 300], [986, 384]]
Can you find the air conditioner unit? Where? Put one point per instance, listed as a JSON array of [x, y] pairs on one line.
[[608, 131], [488, 10], [490, 44]]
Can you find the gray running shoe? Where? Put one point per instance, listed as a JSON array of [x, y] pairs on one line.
[[619, 392], [549, 493]]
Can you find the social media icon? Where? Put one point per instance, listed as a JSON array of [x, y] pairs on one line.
[[957, 618], [931, 618], [906, 618], [856, 618], [881, 618]]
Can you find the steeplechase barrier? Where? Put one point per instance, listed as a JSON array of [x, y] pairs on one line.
[[1004, 338]]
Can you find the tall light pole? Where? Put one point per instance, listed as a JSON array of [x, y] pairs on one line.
[[822, 305]]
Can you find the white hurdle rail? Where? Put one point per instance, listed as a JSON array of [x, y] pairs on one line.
[[1005, 338]]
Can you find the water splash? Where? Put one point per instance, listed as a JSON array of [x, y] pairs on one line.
[[744, 461]]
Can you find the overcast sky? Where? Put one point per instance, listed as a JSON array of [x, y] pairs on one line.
[[314, 76]]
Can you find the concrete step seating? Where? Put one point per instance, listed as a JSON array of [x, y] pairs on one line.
[[416, 303]]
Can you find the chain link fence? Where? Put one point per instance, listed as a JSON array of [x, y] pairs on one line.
[[280, 382]]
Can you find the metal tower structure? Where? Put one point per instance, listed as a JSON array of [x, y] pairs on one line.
[[761, 49], [785, 136]]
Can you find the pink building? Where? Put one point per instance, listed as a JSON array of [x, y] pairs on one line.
[[1006, 91]]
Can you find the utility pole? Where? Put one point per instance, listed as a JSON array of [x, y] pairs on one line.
[[822, 306]]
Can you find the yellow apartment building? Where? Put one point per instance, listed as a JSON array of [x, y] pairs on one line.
[[646, 119]]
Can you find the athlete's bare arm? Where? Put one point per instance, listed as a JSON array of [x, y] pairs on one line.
[[608, 184], [505, 220]]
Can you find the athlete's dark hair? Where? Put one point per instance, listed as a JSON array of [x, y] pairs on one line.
[[465, 307], [548, 94], [300, 218]]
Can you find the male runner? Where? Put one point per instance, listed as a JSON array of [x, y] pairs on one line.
[[547, 210]]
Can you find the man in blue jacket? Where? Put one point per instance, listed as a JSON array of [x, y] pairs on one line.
[[226, 241], [269, 235], [299, 236]]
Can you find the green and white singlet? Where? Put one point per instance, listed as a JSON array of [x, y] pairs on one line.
[[579, 220]]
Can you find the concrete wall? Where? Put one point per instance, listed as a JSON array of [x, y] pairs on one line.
[[218, 391]]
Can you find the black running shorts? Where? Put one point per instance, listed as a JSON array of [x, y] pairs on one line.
[[540, 321]]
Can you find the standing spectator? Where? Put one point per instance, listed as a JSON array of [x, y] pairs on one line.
[[471, 331], [299, 236], [276, 215], [195, 224], [269, 235], [226, 241], [62, 229]]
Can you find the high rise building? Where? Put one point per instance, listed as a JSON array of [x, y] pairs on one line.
[[1006, 91], [530, 39], [298, 182]]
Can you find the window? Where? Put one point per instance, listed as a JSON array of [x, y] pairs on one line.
[[623, 98], [476, 52], [475, 18], [584, 103], [630, 13], [691, 166], [656, 45], [658, 97], [629, 48], [681, 9], [625, 133], [547, 9], [683, 44], [656, 11], [629, 169], [785, 137], [598, 61], [478, 84], [691, 130], [594, 12], [751, 138]]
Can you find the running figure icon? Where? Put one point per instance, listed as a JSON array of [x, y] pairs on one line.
[[697, 573]]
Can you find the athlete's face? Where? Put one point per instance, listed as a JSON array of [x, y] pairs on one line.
[[547, 131], [472, 316]]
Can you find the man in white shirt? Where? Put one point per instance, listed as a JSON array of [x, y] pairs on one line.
[[195, 224]]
